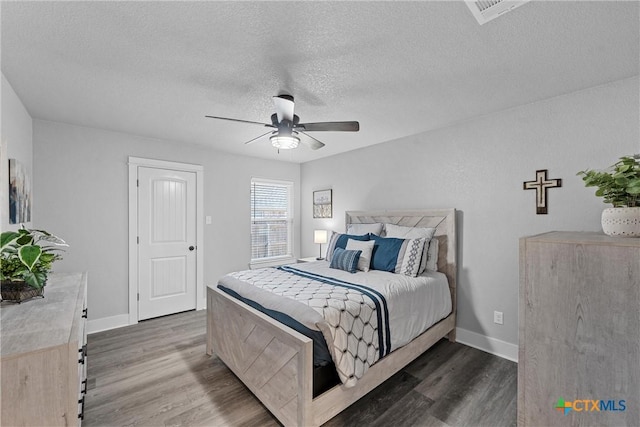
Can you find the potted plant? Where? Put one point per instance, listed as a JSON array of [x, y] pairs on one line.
[[620, 186], [27, 257]]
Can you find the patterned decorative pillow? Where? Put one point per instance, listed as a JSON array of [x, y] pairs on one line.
[[397, 255], [365, 257], [403, 232], [339, 240], [345, 260]]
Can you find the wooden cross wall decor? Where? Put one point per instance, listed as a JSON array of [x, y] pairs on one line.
[[541, 185]]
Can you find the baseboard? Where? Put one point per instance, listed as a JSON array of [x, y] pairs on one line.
[[113, 322], [490, 345], [106, 323]]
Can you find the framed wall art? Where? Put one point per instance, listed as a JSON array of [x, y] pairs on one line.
[[322, 204], [19, 193]]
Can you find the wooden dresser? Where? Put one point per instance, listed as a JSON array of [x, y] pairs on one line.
[[579, 330], [44, 362]]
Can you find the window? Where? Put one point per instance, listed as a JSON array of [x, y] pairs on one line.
[[271, 221]]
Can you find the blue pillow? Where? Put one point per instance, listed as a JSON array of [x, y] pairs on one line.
[[385, 253], [339, 240], [345, 260], [397, 255]]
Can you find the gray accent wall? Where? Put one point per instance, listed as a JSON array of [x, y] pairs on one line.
[[479, 167], [81, 181]]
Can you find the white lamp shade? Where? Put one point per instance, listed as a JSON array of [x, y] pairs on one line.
[[285, 142], [320, 236]]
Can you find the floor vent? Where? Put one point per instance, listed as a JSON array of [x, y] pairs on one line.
[[486, 10]]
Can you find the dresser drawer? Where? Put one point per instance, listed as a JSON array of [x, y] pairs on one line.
[[44, 361]]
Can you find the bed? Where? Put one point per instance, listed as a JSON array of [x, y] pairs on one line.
[[276, 362]]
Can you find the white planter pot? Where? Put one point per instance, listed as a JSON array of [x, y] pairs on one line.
[[622, 222]]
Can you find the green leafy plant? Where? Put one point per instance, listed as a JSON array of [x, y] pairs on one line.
[[619, 185], [28, 255]]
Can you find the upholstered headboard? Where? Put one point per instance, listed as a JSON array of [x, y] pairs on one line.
[[443, 220]]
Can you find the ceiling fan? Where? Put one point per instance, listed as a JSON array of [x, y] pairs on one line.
[[288, 129]]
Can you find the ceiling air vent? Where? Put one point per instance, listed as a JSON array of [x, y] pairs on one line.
[[486, 10]]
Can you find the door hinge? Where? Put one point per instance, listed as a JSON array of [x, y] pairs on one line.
[[138, 239], [138, 296], [137, 183]]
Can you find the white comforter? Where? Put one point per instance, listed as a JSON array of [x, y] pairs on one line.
[[414, 304]]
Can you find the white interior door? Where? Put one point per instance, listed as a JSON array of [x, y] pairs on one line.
[[167, 242]]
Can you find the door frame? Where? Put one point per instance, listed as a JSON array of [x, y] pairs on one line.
[[134, 164]]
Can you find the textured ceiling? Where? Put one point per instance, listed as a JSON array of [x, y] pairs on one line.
[[157, 68]]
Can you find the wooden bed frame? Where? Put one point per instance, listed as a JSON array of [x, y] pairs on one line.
[[276, 363]]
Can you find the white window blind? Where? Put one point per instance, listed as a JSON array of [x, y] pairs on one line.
[[271, 219]]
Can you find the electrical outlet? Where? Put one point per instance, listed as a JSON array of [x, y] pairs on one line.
[[497, 317]]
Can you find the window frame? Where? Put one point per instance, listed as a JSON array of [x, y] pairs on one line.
[[289, 257]]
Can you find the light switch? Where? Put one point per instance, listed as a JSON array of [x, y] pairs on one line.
[[207, 219]]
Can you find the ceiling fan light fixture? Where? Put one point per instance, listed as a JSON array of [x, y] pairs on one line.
[[284, 142], [286, 125]]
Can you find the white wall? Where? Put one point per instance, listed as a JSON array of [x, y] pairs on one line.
[[81, 177], [16, 143], [478, 167]]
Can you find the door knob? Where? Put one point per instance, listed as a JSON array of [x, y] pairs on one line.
[[191, 248]]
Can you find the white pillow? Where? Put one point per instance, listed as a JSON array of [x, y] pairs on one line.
[[365, 257], [402, 232], [360, 229], [340, 240]]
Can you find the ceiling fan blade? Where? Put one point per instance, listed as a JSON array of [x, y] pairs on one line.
[[284, 107], [258, 137], [311, 142], [329, 126], [242, 121]]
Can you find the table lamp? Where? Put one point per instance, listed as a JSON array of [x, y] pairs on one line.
[[320, 237]]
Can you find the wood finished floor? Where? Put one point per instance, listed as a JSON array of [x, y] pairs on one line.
[[156, 373]]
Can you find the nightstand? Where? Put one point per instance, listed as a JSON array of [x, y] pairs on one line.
[[308, 259]]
